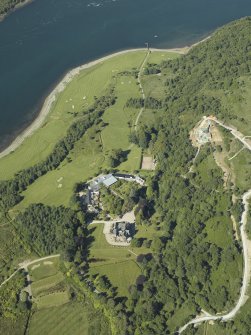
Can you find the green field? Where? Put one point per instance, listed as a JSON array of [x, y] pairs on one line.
[[39, 286], [44, 269], [52, 300], [241, 167], [69, 319], [117, 263], [48, 284], [55, 312], [13, 327], [113, 262]]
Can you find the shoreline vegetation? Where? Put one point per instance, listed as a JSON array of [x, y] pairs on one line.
[[14, 8], [51, 98]]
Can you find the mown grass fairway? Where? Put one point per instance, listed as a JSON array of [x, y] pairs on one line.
[[48, 284], [79, 93], [117, 263], [115, 135], [53, 299], [161, 55], [121, 274], [44, 269], [42, 285], [68, 319], [12, 327]]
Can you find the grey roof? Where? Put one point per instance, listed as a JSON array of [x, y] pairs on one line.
[[88, 197], [106, 180], [110, 180]]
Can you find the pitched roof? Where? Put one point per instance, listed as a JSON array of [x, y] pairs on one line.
[[110, 181]]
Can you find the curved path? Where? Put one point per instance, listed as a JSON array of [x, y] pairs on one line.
[[245, 241], [24, 266], [141, 89]]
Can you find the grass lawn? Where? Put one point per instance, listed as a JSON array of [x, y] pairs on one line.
[[115, 135], [8, 326], [44, 269], [241, 166], [42, 285], [80, 93], [241, 108], [148, 232], [133, 161], [121, 275], [68, 319], [154, 86], [53, 299], [205, 166], [89, 83], [48, 284], [162, 55], [180, 317], [218, 227], [117, 263]]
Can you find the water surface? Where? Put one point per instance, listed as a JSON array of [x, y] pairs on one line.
[[40, 42]]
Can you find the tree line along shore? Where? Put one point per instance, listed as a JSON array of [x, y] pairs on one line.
[[7, 6]]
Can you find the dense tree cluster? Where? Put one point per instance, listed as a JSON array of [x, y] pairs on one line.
[[52, 229], [212, 65], [14, 302], [135, 103], [186, 263], [116, 157], [144, 137], [7, 5], [121, 198], [152, 68], [153, 103]]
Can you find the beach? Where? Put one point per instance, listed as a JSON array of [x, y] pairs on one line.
[[45, 110]]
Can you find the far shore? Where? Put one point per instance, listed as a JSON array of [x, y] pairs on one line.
[[37, 123], [19, 5]]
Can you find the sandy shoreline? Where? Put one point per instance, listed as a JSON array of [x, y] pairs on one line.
[[37, 123]]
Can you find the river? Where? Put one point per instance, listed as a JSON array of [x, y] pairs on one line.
[[40, 42]]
